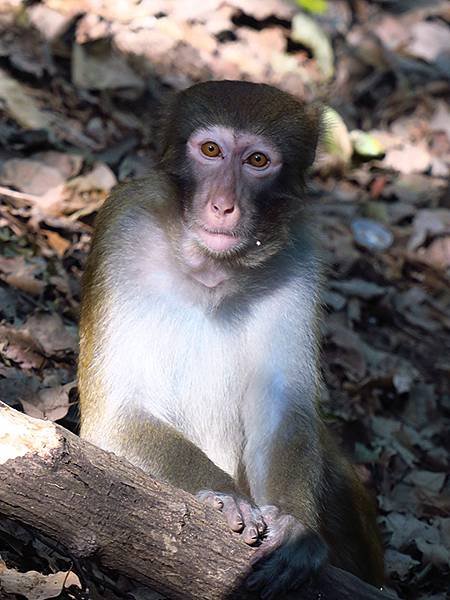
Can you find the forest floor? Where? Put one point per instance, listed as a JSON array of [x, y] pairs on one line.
[[81, 82]]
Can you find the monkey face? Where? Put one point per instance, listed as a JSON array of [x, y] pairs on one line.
[[230, 169], [238, 152]]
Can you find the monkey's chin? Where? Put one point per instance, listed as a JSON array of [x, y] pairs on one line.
[[217, 242]]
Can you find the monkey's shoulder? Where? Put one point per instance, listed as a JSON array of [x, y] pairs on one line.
[[152, 194], [131, 217]]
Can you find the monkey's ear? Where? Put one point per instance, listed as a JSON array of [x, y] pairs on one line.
[[313, 130]]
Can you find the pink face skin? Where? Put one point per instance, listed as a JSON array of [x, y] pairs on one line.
[[225, 181]]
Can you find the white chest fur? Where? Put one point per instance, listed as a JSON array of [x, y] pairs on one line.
[[224, 383], [156, 349]]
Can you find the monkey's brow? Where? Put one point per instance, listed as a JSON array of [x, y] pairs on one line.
[[233, 135]]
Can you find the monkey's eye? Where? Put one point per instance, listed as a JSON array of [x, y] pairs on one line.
[[258, 160], [210, 149]]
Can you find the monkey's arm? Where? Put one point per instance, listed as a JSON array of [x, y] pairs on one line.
[[285, 469], [167, 455], [309, 519], [338, 506], [295, 469], [283, 456], [161, 451]]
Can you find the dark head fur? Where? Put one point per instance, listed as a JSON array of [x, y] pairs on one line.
[[292, 126]]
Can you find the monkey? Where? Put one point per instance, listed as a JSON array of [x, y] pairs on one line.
[[199, 334]]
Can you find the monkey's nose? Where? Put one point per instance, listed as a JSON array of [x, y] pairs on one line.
[[223, 207], [222, 211]]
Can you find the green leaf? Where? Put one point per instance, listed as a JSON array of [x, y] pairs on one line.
[[366, 145], [317, 7], [336, 137]]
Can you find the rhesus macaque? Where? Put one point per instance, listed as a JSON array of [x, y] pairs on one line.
[[199, 334]]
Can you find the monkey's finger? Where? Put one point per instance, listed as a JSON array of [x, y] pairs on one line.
[[226, 504], [232, 513], [250, 535], [277, 534], [270, 514], [252, 515], [211, 499], [254, 522]]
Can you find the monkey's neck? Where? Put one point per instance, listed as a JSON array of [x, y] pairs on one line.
[[211, 277], [203, 269]]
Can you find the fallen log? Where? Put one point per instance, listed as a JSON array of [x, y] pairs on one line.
[[100, 507]]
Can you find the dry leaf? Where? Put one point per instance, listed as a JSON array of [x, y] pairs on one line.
[[308, 32], [412, 158], [50, 204], [263, 10], [49, 403], [429, 40], [34, 585], [392, 32], [30, 176], [399, 564], [49, 331], [336, 147], [99, 67], [68, 165], [437, 253], [100, 178], [19, 346], [59, 244], [22, 274], [427, 223], [349, 351], [20, 105], [50, 23]]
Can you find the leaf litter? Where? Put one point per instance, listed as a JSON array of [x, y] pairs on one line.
[[379, 193]]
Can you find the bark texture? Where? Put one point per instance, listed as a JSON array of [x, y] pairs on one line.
[[101, 507]]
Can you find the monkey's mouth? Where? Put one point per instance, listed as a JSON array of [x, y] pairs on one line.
[[217, 240]]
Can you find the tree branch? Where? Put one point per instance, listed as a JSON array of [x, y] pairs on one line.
[[100, 506]]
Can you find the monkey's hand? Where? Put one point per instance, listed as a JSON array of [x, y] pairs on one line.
[[288, 557], [242, 516]]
